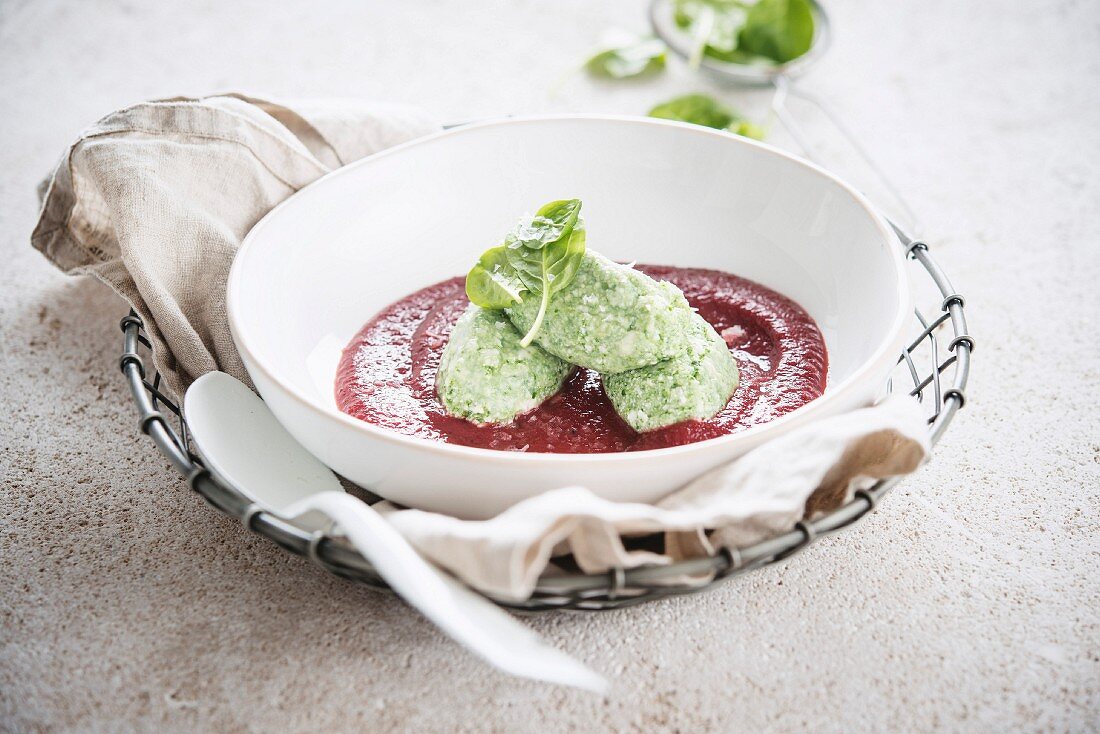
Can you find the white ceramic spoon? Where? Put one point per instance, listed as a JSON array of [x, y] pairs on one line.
[[243, 443]]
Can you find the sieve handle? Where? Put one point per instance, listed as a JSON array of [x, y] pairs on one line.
[[784, 89]]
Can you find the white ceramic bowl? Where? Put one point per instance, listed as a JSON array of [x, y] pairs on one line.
[[320, 265]]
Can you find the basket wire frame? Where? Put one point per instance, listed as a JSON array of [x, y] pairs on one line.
[[937, 375]]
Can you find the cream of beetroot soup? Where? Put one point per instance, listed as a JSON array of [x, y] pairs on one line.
[[547, 346]]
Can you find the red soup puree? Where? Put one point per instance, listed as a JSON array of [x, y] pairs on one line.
[[387, 373]]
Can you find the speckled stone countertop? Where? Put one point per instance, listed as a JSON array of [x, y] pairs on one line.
[[969, 601]]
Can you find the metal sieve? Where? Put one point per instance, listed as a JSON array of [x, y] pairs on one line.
[[781, 78]]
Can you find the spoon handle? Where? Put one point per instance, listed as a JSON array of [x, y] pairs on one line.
[[471, 620]]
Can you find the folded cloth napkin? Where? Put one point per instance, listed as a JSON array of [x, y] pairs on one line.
[[802, 474], [155, 199]]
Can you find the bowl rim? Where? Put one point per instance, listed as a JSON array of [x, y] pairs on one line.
[[457, 451]]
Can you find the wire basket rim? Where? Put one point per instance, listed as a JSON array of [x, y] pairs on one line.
[[589, 592]]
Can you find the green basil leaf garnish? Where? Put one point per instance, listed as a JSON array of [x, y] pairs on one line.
[[551, 223], [635, 58], [546, 252], [493, 283], [540, 256]]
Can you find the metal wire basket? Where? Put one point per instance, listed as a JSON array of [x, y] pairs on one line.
[[926, 364]]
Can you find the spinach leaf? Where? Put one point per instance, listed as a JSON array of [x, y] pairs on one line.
[[773, 31], [550, 224], [540, 256], [713, 24], [780, 30], [748, 129], [493, 283], [632, 58], [700, 109], [546, 253]]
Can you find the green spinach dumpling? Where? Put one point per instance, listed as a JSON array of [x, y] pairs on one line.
[[697, 384], [485, 374], [610, 318]]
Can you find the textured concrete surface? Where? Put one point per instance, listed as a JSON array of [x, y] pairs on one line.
[[970, 601]]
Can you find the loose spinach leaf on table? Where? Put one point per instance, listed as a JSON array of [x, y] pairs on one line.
[[540, 256], [629, 59], [700, 109], [747, 129], [696, 108]]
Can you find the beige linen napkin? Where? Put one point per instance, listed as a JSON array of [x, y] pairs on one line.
[[155, 199], [808, 471]]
